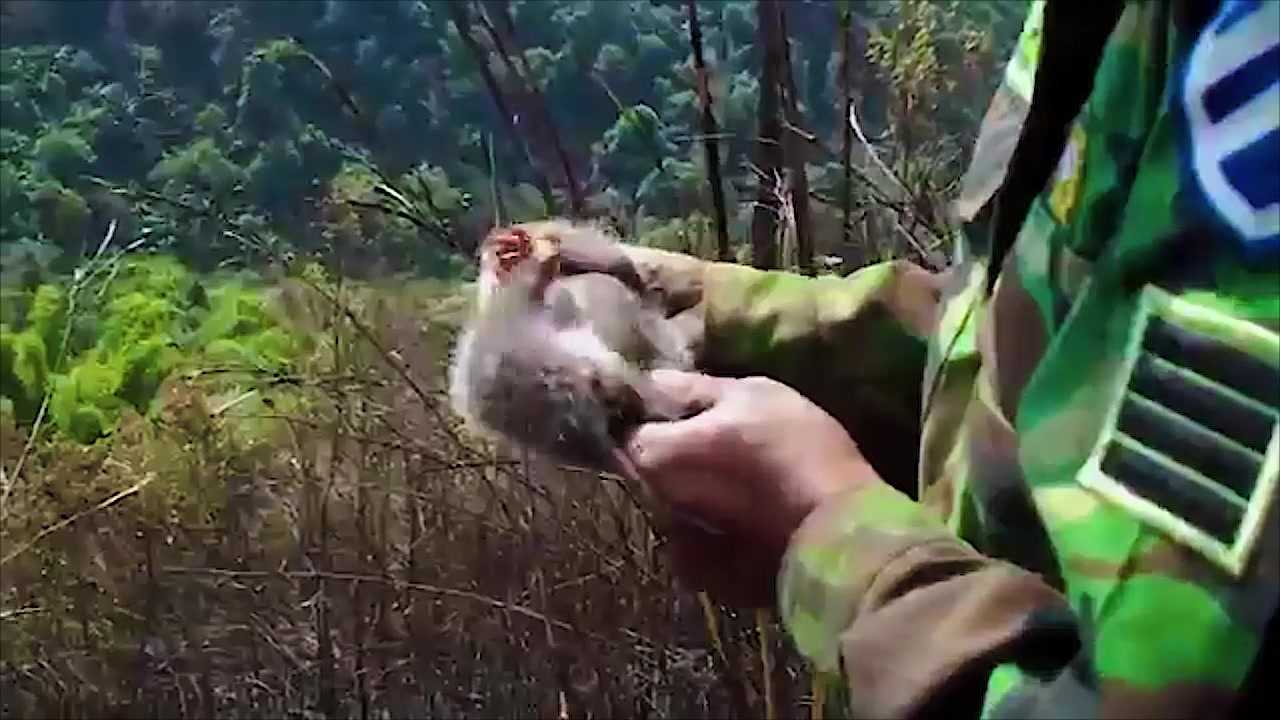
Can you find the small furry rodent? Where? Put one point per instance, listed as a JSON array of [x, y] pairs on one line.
[[559, 364]]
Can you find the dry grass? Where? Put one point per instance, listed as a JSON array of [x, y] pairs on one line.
[[340, 548]]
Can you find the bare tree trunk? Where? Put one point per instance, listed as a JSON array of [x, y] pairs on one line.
[[541, 113], [460, 14], [709, 131], [846, 130], [764, 216], [795, 150]]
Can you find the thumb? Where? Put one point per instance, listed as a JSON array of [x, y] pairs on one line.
[[658, 448], [665, 451], [691, 390]]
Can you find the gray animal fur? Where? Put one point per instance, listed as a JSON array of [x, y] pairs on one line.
[[564, 375]]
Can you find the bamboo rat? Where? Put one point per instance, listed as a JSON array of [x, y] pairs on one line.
[[559, 364]]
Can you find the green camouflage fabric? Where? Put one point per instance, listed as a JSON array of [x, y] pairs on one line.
[[1084, 522], [854, 345]]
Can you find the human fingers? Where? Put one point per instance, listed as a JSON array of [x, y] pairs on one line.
[[577, 258], [663, 452], [692, 390], [673, 277], [676, 277]]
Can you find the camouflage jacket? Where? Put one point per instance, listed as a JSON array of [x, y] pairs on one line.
[[1093, 450]]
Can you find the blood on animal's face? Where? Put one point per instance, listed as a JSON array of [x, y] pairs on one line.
[[521, 258], [510, 247]]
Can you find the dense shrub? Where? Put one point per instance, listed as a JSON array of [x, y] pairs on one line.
[[106, 343]]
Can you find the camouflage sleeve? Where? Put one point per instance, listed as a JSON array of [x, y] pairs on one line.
[[879, 590], [902, 617], [855, 345]]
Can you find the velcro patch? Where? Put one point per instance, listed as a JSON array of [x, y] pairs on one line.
[[1192, 445]]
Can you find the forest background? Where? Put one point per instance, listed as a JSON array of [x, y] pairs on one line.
[[235, 239]]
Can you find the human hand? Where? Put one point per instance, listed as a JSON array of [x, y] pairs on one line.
[[667, 280], [740, 476], [674, 278]]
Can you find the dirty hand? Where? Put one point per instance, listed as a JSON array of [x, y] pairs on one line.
[[675, 277], [740, 476], [673, 281], [669, 280]]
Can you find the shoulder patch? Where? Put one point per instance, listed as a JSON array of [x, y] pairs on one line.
[[1192, 443], [1230, 98], [1065, 189]]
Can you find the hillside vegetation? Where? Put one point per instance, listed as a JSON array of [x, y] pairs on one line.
[[234, 242]]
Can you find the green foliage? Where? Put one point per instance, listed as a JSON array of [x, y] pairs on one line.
[[411, 220], [63, 154], [214, 112], [24, 372], [694, 235], [47, 318], [209, 138], [84, 403], [147, 319], [201, 166], [220, 155]]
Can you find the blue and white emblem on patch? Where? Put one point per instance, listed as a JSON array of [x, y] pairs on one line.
[[1230, 93]]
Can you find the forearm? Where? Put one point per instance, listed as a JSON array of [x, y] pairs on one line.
[[854, 345], [876, 588], [780, 323]]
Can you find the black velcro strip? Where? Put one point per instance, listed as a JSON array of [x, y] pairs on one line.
[[1175, 493], [1203, 414], [1188, 444], [1250, 376], [1247, 424]]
